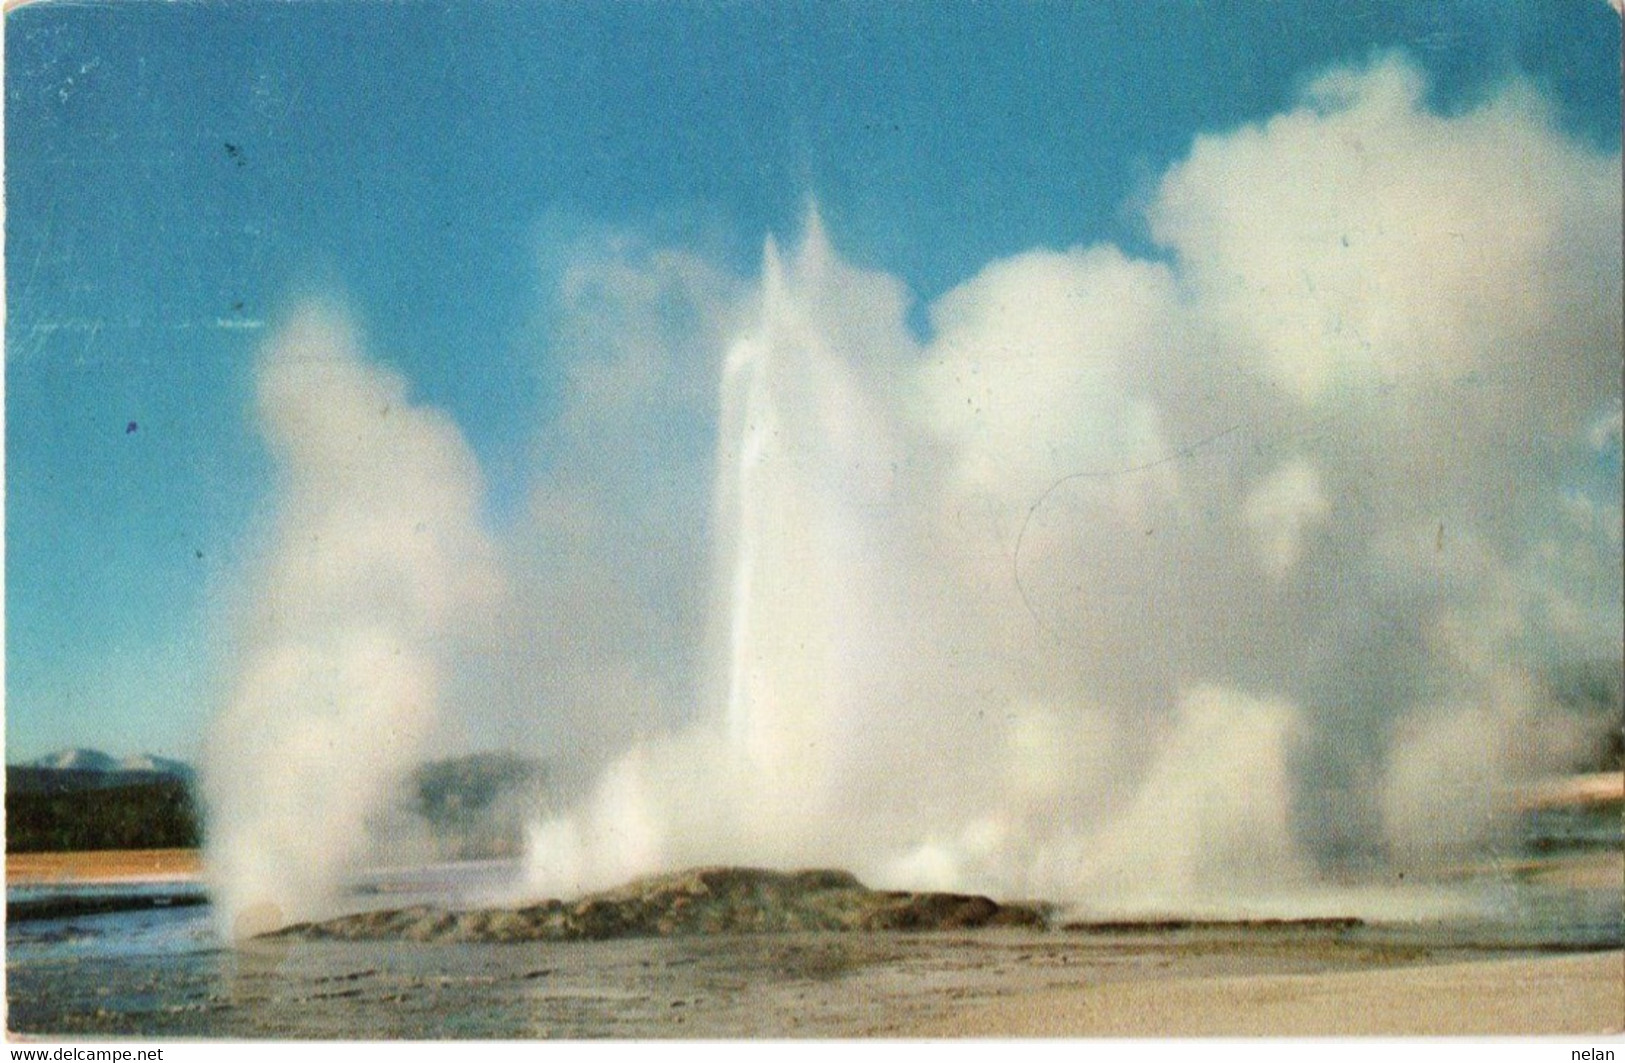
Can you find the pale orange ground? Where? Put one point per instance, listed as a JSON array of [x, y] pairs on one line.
[[108, 866], [1568, 995], [1604, 787]]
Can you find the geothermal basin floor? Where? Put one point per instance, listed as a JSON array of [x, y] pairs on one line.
[[1212, 981], [1547, 961]]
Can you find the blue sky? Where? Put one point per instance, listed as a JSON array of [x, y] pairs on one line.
[[177, 175]]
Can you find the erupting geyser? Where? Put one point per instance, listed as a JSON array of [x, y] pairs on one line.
[[1129, 586], [806, 458], [378, 562], [1200, 584], [844, 730]]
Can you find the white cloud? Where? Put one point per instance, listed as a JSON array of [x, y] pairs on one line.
[[1281, 510]]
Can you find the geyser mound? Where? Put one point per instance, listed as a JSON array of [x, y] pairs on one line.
[[715, 900]]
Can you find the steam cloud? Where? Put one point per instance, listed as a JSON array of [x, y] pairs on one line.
[[1140, 583], [378, 562]]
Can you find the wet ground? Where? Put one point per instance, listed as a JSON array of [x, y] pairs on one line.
[[161, 972], [726, 986], [142, 959]]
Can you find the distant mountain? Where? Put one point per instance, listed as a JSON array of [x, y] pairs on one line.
[[75, 760], [71, 770], [161, 765], [94, 760]]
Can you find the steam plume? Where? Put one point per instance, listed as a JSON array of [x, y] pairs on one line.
[[1166, 583], [376, 560]]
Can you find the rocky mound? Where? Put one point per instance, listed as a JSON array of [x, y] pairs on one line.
[[716, 900]]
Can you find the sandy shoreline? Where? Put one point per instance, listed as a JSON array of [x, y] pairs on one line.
[[113, 865], [1547, 995]]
